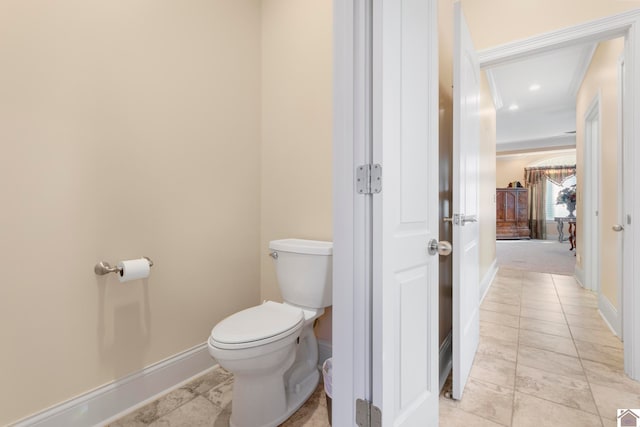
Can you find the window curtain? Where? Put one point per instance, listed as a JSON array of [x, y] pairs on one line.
[[535, 179]]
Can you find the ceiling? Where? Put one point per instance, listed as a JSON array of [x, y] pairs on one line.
[[543, 117]]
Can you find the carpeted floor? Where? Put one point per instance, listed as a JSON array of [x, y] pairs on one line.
[[544, 256]]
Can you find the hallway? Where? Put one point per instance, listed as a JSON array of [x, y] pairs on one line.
[[545, 358]]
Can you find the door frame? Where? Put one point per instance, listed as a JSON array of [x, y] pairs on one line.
[[622, 25], [592, 194], [351, 212], [620, 180], [352, 221]]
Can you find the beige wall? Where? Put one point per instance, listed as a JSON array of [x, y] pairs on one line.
[[127, 129], [510, 167], [495, 22], [296, 165], [602, 78], [487, 172], [445, 51]]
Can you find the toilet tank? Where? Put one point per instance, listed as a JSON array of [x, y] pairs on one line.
[[304, 271]]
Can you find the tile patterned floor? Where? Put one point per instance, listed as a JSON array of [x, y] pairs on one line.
[[206, 401], [545, 358]]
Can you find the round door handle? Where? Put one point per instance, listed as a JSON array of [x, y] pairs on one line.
[[617, 228], [443, 248]]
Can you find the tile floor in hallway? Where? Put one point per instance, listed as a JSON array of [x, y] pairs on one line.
[[545, 358]]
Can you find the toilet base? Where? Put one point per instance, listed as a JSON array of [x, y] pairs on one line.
[[295, 400]]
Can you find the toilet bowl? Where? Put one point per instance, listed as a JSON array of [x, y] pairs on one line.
[[271, 349]]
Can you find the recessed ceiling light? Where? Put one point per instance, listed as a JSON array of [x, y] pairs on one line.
[[534, 87], [513, 107]]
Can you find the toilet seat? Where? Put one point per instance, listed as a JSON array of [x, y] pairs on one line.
[[257, 326]]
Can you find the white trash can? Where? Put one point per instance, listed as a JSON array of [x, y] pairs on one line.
[[327, 372]]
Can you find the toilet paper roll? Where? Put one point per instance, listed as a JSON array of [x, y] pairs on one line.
[[133, 269]]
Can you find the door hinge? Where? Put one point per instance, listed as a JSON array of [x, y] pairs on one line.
[[369, 179], [367, 415]]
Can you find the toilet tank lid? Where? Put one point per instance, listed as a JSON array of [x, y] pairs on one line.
[[301, 246]]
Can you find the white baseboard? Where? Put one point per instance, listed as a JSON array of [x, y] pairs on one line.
[[108, 402], [446, 361], [325, 351], [579, 275], [610, 315], [486, 281]]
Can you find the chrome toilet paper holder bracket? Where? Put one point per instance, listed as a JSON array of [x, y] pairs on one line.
[[104, 267]]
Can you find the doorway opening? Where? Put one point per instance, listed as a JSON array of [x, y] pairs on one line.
[[594, 81], [617, 26]]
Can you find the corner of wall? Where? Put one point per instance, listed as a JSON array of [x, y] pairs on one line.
[[296, 136]]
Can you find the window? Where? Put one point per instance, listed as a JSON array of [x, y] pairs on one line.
[[551, 209]]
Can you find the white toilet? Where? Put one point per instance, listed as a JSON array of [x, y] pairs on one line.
[[271, 348]]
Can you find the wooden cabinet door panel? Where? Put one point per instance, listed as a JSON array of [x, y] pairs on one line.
[[500, 206], [522, 210], [511, 203]]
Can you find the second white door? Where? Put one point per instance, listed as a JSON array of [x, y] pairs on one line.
[[466, 134]]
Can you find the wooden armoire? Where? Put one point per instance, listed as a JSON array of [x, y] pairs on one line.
[[512, 213]]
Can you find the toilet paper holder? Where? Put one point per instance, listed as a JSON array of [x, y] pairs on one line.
[[104, 267]]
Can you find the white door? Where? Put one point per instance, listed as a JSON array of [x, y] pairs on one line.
[[405, 214], [466, 134]]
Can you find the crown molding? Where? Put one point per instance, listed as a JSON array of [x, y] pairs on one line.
[[589, 32], [581, 70], [493, 88], [554, 142]]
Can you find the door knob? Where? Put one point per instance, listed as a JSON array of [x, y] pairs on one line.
[[443, 248], [617, 227]]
